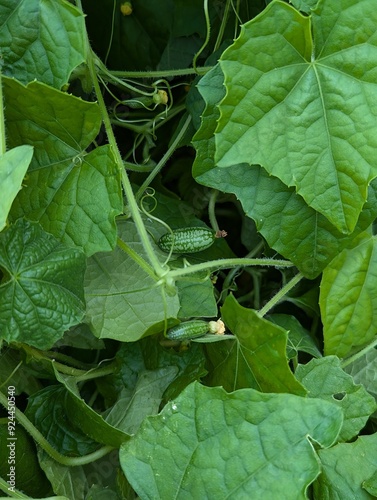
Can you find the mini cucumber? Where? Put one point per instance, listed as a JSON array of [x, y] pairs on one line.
[[188, 330], [187, 240]]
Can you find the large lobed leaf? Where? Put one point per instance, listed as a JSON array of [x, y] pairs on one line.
[[41, 294], [301, 102], [75, 195], [42, 40], [238, 445], [289, 225]]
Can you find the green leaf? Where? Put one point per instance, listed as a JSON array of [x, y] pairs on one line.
[[295, 230], [147, 359], [131, 408], [299, 339], [123, 302], [28, 473], [190, 362], [70, 482], [14, 372], [256, 359], [371, 485], [41, 40], [348, 298], [304, 5], [344, 469], [13, 167], [364, 371], [324, 378], [220, 445], [47, 410], [41, 294], [301, 102], [86, 419], [75, 195], [97, 492], [197, 299]]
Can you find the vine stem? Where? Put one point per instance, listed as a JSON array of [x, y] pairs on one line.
[[211, 210], [226, 264], [14, 493], [360, 353], [80, 374], [208, 34], [152, 74], [164, 159], [136, 257], [281, 293], [3, 146], [45, 445], [132, 204]]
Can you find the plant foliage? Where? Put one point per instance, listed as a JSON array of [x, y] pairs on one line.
[[123, 121]]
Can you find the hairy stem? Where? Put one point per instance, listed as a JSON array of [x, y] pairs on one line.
[[226, 264], [3, 146], [45, 445], [359, 354], [164, 159], [281, 294], [132, 204]]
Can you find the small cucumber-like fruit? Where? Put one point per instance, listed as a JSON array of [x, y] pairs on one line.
[[187, 240], [188, 330]]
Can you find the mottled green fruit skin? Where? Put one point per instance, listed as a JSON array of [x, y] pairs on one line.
[[187, 240], [188, 330]]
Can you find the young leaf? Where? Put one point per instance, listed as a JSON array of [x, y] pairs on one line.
[[13, 166], [220, 445], [41, 40], [345, 467], [324, 378], [257, 358], [301, 102], [348, 298], [41, 295], [73, 194]]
